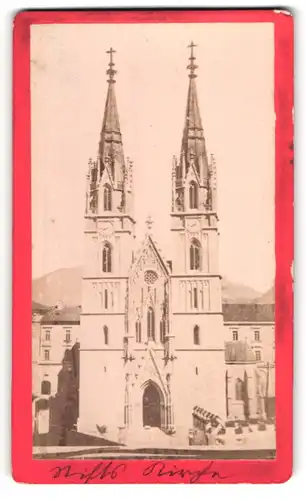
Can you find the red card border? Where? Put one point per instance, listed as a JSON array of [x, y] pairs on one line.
[[27, 470]]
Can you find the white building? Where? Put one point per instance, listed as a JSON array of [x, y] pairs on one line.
[[58, 330], [152, 330], [156, 342]]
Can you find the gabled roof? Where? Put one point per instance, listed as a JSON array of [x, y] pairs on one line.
[[149, 242], [64, 316], [248, 313]]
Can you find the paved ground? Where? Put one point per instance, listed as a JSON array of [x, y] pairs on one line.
[[153, 443]]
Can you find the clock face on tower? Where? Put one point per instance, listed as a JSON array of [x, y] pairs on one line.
[[193, 226], [106, 228]]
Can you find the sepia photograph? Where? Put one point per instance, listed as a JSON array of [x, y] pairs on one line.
[[153, 240]]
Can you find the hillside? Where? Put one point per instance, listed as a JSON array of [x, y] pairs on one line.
[[235, 293], [61, 285], [267, 298], [65, 285]]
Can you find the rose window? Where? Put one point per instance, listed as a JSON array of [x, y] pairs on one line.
[[150, 277]]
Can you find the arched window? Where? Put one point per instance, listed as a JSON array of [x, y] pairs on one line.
[[113, 169], [196, 335], [46, 387], [195, 298], [195, 252], [162, 331], [193, 195], [151, 324], [107, 198], [107, 258], [105, 299], [239, 389], [105, 332], [138, 332]]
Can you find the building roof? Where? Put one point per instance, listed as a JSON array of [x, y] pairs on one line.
[[62, 316], [248, 313], [239, 352], [235, 313]]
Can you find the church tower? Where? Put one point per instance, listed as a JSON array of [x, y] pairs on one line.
[[197, 320], [108, 253]]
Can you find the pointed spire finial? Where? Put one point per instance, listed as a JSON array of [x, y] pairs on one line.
[[111, 71], [192, 66], [149, 223]]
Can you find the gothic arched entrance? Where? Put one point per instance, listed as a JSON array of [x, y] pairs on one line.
[[152, 406]]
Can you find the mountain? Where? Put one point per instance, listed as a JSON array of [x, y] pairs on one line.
[[64, 285], [267, 297], [39, 307], [235, 293], [61, 285]]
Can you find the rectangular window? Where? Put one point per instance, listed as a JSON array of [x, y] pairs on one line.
[[68, 336], [257, 336], [235, 335], [195, 298], [258, 355], [47, 335], [46, 355]]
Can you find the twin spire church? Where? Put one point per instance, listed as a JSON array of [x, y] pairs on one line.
[[152, 332]]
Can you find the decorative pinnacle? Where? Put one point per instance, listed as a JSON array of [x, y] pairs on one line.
[[111, 71], [192, 66]]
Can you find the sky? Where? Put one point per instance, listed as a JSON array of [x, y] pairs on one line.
[[236, 97]]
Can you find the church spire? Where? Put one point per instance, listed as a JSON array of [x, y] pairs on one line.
[[110, 145], [192, 174], [193, 142], [110, 184]]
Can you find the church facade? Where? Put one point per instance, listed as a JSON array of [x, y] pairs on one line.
[[152, 334]]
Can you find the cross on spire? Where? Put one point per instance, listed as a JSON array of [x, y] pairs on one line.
[[111, 72], [149, 223], [192, 66]]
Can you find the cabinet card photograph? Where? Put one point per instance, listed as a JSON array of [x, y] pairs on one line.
[[155, 151]]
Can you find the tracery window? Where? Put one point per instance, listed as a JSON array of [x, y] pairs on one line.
[[107, 258], [195, 251], [138, 332], [150, 277], [193, 195], [151, 324], [107, 198], [162, 331]]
